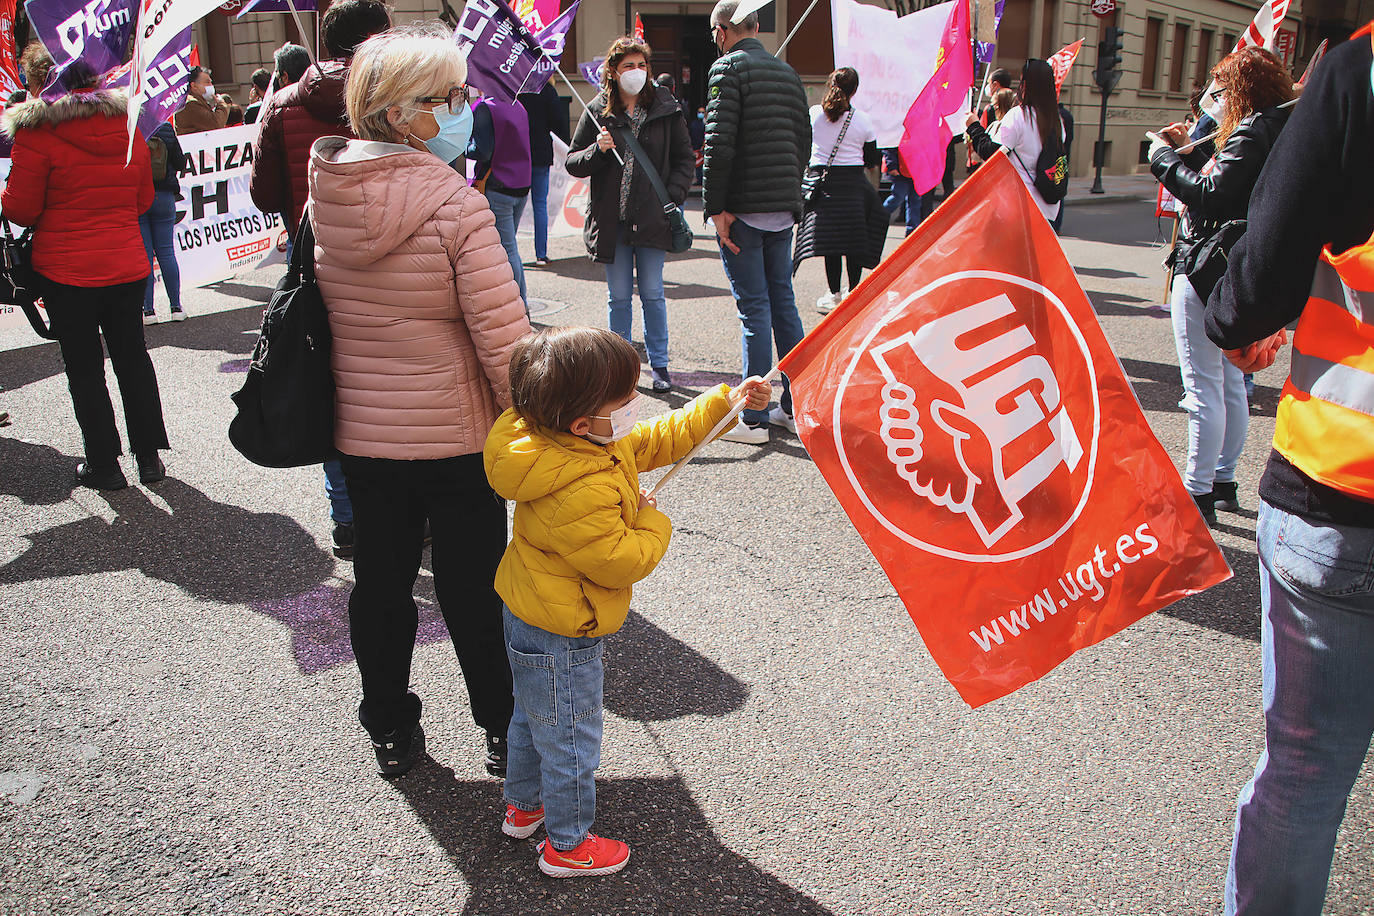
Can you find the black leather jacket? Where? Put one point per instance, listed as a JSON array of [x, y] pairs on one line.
[[1223, 193]]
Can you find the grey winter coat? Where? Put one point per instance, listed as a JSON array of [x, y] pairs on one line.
[[758, 134]]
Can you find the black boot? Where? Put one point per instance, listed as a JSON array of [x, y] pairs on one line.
[[1206, 504], [106, 478], [151, 468], [1225, 497], [496, 754]]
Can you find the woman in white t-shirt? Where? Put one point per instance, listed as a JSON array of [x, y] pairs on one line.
[[844, 220], [1026, 129]]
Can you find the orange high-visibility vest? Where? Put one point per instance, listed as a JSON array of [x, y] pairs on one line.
[[1326, 415]]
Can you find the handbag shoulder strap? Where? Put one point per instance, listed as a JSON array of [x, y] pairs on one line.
[[844, 128], [649, 171], [303, 251]]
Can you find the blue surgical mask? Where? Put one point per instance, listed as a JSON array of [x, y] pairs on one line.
[[454, 132]]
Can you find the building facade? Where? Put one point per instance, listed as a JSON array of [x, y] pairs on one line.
[[1169, 48]]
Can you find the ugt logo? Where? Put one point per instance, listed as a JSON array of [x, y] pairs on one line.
[[981, 392]]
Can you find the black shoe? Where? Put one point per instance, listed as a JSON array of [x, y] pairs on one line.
[[396, 755], [1225, 497], [661, 380], [1206, 504], [343, 540], [151, 469], [106, 478], [496, 754]]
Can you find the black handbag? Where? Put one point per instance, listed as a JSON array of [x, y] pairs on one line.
[[18, 282], [677, 220], [285, 413], [1204, 263], [815, 178]]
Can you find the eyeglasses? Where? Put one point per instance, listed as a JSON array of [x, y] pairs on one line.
[[456, 99]]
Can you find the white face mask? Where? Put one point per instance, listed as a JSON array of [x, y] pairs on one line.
[[1214, 106], [210, 93], [633, 81], [623, 419]]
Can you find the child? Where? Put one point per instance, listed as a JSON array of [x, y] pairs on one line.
[[569, 452]]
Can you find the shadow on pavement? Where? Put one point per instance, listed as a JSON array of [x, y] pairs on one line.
[[214, 551], [677, 681], [38, 474], [1157, 386], [1107, 273], [1233, 607], [1124, 304], [677, 863]]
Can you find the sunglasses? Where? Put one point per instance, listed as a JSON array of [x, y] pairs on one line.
[[456, 99]]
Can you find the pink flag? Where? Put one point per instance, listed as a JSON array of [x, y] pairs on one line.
[[1062, 60], [926, 134]]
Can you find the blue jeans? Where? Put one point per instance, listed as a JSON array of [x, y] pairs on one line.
[[157, 225], [647, 264], [1317, 641], [1213, 395], [554, 740], [340, 506], [507, 210], [539, 200], [761, 280], [904, 197]]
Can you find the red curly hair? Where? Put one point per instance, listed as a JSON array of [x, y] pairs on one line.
[[1254, 79]]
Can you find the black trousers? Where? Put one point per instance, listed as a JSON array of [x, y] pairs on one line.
[[391, 501], [832, 272], [80, 316]]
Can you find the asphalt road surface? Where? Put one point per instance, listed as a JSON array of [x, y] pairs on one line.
[[177, 693]]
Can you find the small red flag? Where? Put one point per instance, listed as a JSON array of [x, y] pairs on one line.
[[967, 411], [639, 28], [1062, 60], [194, 57]]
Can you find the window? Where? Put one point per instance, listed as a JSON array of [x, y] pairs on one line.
[[1205, 40], [1178, 58], [1227, 43], [1149, 66]]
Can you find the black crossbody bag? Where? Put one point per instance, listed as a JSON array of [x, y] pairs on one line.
[[677, 221], [812, 181]]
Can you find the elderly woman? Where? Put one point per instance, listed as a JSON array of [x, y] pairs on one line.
[[424, 313], [68, 179]]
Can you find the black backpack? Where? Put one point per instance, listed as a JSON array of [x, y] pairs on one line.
[[1051, 175], [286, 405]]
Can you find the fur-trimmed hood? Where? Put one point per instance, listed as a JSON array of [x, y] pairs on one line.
[[113, 103]]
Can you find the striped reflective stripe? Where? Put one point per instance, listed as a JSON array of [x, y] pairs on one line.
[[1327, 284], [1333, 382]]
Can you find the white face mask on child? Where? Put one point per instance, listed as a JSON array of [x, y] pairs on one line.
[[623, 419]]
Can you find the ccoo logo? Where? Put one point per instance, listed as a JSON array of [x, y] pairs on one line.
[[983, 396]]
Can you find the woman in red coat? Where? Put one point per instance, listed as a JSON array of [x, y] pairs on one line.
[[68, 180]]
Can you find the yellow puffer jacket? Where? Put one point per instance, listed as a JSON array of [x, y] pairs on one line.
[[581, 540]]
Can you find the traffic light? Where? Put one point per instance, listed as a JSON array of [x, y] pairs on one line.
[[1107, 74]]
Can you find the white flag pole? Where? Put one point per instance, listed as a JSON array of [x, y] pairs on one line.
[[1188, 147], [709, 437], [300, 27], [585, 107]]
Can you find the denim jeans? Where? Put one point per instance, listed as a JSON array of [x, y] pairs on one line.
[[1213, 395], [904, 197], [1317, 641], [554, 739], [539, 201], [761, 280], [340, 506], [157, 225], [507, 210], [633, 261]]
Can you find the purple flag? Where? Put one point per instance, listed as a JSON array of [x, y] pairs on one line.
[[166, 82], [502, 54], [92, 35], [987, 49], [591, 70], [552, 38]]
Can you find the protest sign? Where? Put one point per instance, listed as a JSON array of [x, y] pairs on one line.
[[567, 199], [967, 411], [894, 57]]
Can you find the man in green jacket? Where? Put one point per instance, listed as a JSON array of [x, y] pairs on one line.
[[758, 142]]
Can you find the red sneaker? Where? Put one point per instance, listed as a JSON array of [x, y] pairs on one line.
[[593, 856], [520, 824]]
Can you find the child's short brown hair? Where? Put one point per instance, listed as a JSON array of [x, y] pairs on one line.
[[560, 374], [1003, 100]]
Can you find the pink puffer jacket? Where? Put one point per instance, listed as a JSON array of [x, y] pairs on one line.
[[422, 304]]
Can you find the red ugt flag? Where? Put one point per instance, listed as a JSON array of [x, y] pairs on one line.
[[1062, 60], [968, 413], [926, 135]]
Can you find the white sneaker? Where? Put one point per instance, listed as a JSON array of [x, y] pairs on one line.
[[827, 302], [150, 319], [749, 435], [778, 417], [179, 315]]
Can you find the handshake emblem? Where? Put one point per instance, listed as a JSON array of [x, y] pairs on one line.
[[977, 423]]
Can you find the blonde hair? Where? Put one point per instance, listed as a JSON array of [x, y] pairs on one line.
[[1003, 100], [397, 67]]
